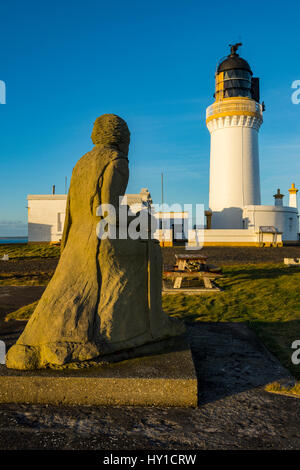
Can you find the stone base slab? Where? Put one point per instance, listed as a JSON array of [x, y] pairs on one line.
[[165, 379]]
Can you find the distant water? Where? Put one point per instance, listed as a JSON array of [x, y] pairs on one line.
[[4, 240]]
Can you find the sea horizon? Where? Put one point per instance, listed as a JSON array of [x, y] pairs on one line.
[[9, 240]]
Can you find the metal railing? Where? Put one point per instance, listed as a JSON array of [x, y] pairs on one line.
[[234, 105]]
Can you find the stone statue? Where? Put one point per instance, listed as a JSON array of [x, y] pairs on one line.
[[105, 295]]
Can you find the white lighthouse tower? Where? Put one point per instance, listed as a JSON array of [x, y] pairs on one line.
[[233, 121]]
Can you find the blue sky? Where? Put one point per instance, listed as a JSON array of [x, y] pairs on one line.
[[67, 62]]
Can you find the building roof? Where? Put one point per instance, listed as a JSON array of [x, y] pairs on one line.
[[143, 197], [38, 197], [234, 61]]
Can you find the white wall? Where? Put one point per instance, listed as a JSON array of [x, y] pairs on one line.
[[284, 218], [293, 200], [165, 235], [46, 215], [177, 220], [227, 236], [234, 168]]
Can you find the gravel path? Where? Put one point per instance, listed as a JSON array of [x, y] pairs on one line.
[[226, 255], [250, 420]]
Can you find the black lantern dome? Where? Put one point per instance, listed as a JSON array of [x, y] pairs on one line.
[[234, 77]]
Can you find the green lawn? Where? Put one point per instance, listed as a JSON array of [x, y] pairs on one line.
[[276, 387], [23, 313], [36, 250], [266, 297], [20, 279]]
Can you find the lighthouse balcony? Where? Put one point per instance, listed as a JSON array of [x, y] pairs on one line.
[[234, 107]]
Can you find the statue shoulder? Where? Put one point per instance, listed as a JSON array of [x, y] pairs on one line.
[[117, 155], [119, 163], [103, 156], [85, 159], [120, 159]]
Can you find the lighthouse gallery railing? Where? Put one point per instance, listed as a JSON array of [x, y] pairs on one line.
[[234, 105]]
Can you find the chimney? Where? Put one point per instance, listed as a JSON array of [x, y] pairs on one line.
[[293, 196], [278, 198]]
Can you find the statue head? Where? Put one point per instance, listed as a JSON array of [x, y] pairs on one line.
[[111, 130]]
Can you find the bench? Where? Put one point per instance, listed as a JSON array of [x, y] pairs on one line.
[[182, 271]]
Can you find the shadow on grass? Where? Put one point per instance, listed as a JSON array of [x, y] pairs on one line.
[[260, 272]]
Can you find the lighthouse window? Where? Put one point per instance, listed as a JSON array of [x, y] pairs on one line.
[[232, 92], [236, 84], [290, 224], [237, 74]]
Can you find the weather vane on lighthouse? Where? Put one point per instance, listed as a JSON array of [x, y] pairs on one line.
[[234, 48]]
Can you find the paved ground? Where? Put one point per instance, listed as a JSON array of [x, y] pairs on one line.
[[234, 410], [251, 420]]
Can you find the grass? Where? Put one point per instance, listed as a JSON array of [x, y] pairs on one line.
[[292, 390], [27, 251], [23, 313], [20, 279], [266, 297], [265, 293]]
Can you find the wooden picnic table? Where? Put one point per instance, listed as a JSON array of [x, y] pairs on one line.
[[180, 271]]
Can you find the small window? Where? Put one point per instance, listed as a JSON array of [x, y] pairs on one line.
[[60, 221]]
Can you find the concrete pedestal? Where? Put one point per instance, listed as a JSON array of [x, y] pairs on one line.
[[164, 379]]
